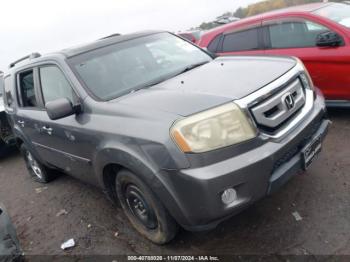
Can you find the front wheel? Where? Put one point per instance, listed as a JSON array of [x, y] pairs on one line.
[[145, 212]]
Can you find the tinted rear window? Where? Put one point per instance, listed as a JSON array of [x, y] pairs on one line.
[[241, 41]]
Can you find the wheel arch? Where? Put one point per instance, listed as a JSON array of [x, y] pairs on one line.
[[111, 161]]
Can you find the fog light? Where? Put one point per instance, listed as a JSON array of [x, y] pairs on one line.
[[228, 196]]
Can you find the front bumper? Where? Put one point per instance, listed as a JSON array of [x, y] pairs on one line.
[[253, 174]]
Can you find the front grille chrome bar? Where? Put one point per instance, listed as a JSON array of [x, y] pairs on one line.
[[275, 110], [273, 89]]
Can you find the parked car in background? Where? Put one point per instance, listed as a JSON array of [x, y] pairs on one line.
[[6, 137], [179, 138], [225, 19], [192, 36], [10, 250], [318, 34]]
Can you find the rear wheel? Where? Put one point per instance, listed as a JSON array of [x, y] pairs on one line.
[[37, 171], [145, 212]]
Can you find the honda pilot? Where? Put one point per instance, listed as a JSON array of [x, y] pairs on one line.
[[179, 138]]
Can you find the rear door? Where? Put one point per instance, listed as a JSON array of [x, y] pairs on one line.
[[328, 66]]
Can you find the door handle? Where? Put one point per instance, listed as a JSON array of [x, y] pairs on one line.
[[21, 123], [48, 130]]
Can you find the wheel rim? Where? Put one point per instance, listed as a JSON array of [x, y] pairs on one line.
[[139, 207], [33, 164]]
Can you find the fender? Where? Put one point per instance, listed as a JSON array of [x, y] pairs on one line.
[[132, 158]]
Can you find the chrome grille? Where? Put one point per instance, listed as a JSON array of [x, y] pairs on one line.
[[273, 112]]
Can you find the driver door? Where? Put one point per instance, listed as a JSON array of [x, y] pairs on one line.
[[62, 142]]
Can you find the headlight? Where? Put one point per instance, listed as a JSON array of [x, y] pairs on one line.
[[307, 82], [215, 128], [305, 76]]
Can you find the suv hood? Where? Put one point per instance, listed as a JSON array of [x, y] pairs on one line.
[[219, 81]]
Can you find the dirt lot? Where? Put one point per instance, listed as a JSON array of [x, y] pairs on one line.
[[321, 196]]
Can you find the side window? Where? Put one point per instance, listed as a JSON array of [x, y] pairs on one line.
[[213, 46], [8, 97], [54, 85], [241, 41], [313, 27], [26, 86], [295, 34]]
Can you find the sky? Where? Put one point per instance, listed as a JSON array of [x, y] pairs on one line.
[[49, 25]]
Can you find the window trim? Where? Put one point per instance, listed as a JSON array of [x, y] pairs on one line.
[[75, 95], [217, 46], [256, 26], [267, 37], [242, 28]]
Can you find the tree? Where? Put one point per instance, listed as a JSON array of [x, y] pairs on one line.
[[240, 13], [207, 26]]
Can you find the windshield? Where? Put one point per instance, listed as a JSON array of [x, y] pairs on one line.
[[339, 13], [121, 68]]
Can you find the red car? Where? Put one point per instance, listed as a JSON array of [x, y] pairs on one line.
[[319, 34]]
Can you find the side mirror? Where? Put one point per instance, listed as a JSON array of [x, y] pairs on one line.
[[329, 39], [60, 108]]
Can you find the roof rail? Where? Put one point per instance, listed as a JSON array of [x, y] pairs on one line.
[[109, 36], [31, 56]]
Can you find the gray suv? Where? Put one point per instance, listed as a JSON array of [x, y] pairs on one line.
[[175, 135]]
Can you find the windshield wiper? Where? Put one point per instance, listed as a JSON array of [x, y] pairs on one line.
[[158, 81], [187, 68], [190, 67], [153, 83], [149, 84]]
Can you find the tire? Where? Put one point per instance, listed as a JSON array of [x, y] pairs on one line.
[[37, 171], [158, 226]]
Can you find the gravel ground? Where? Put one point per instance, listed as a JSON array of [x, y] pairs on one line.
[[321, 197]]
